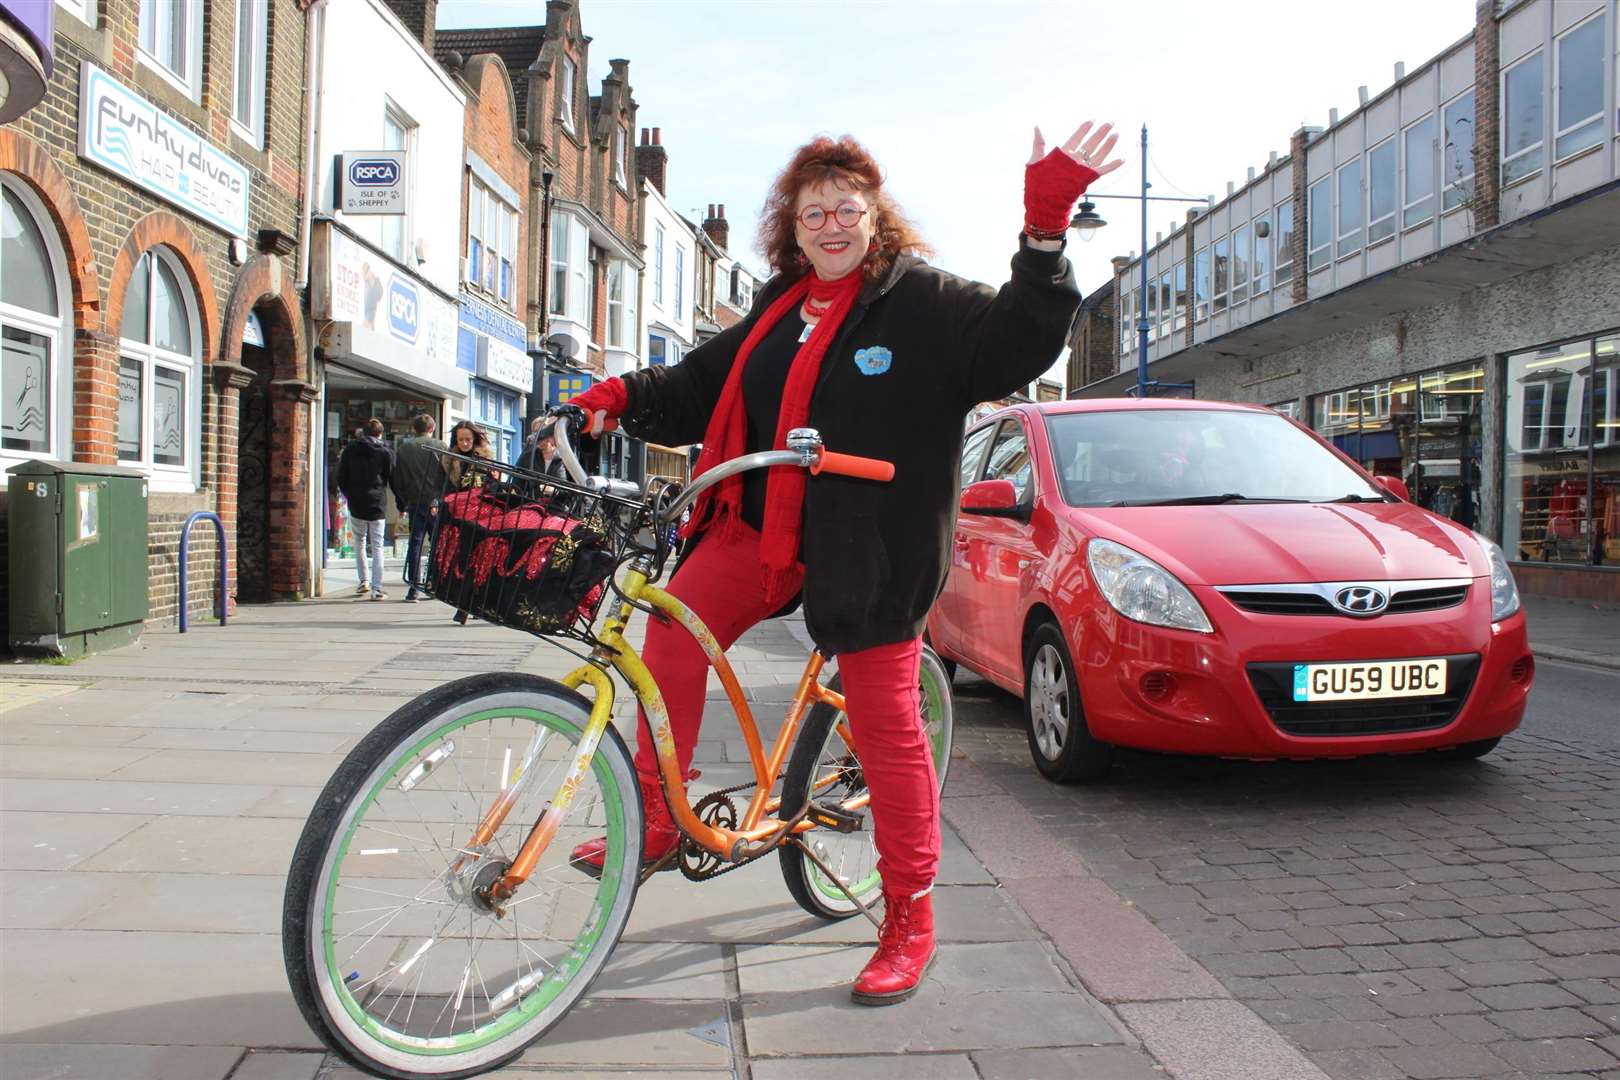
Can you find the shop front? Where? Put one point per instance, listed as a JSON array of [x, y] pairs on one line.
[[389, 354], [490, 348]]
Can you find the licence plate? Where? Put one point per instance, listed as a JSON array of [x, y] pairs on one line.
[[1379, 679]]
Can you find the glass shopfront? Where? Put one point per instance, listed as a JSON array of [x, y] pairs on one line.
[[1425, 429], [1561, 497]]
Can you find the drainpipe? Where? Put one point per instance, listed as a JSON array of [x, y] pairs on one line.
[[314, 45]]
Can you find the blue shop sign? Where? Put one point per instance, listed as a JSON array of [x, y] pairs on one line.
[[478, 317]]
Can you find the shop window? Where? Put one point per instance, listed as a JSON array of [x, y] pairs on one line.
[[1201, 285], [1561, 492], [1242, 241], [1417, 191], [158, 396], [1457, 155], [1578, 89], [1523, 119], [1285, 242], [34, 326]]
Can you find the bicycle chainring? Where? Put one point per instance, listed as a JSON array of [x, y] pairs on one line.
[[718, 811]]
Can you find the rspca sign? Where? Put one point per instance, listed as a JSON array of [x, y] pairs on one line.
[[125, 134], [372, 182], [403, 304]]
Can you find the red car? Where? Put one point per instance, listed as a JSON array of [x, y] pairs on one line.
[[1209, 578]]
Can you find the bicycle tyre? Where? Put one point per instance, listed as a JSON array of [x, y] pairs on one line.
[[819, 749], [341, 1010]]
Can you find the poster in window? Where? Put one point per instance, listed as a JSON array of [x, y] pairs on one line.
[[129, 411], [334, 425], [25, 384], [168, 417]]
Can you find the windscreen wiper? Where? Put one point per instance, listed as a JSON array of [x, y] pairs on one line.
[[1202, 500], [1354, 498]]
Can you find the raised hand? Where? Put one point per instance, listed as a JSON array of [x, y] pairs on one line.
[[1054, 182]]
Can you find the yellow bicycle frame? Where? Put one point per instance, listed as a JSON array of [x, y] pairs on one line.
[[757, 833]]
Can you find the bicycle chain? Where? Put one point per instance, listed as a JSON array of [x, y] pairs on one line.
[[697, 852]]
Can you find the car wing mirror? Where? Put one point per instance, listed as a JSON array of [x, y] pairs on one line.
[[993, 498], [1395, 486]]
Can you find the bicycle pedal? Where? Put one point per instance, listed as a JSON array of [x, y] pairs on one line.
[[835, 818]]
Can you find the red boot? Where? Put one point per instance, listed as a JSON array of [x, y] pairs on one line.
[[658, 839], [905, 951]]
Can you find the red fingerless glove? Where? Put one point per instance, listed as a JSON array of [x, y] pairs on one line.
[[607, 396], [1051, 188]]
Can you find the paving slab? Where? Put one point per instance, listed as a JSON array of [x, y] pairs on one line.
[[870, 1067], [626, 1032], [269, 1065], [1068, 1063], [50, 899], [202, 845], [200, 902], [40, 840], [1216, 1040], [68, 762], [961, 969], [663, 970], [153, 989], [129, 797], [66, 1062]]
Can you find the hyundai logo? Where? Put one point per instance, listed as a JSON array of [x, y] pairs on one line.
[[1360, 600], [374, 172]]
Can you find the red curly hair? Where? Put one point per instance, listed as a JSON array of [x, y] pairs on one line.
[[848, 164]]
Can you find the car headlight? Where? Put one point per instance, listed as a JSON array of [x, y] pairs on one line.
[[1140, 589], [1504, 591]]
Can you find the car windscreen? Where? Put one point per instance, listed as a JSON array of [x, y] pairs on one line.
[[1136, 457]]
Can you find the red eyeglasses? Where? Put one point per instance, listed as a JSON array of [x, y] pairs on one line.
[[814, 218]]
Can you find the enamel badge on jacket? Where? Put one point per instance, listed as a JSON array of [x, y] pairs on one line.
[[874, 360]]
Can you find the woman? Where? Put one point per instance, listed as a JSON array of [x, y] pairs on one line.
[[468, 439], [541, 455], [885, 355]]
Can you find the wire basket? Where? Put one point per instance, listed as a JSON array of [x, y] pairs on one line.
[[525, 549]]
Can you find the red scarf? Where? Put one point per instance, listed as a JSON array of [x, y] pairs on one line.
[[727, 434]]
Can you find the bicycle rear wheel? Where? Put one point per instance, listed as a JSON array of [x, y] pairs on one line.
[[824, 767], [394, 956]]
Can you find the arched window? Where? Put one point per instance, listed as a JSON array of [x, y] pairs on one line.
[[35, 330], [158, 423]]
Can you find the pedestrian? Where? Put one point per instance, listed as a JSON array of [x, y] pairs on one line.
[[468, 440], [364, 469], [419, 481], [856, 336], [541, 456]]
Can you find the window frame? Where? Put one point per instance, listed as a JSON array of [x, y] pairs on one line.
[[1312, 203], [1424, 202], [1166, 306], [615, 304], [1202, 283], [1010, 428], [1593, 120], [58, 330], [253, 128], [557, 303], [491, 235], [1242, 259], [1221, 268], [1260, 268], [1282, 270], [680, 278], [151, 358], [565, 100], [1463, 184], [1534, 152], [1178, 286], [189, 82], [658, 264], [1391, 150], [83, 10], [1348, 243], [396, 117], [621, 164]]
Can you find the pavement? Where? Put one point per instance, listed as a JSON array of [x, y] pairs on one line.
[[1579, 631], [1196, 920]]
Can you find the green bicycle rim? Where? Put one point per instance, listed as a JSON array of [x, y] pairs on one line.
[[547, 991]]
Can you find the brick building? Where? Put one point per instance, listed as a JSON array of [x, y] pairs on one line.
[[1432, 282], [586, 255], [150, 317]]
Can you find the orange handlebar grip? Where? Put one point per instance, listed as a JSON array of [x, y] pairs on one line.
[[862, 468]]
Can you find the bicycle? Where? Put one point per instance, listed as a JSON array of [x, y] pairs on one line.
[[408, 867]]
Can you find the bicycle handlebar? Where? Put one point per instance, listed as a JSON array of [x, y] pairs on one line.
[[804, 451]]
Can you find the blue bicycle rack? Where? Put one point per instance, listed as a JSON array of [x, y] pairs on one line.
[[224, 572]]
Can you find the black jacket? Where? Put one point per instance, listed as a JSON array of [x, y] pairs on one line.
[[917, 352], [418, 475], [363, 472], [531, 460]]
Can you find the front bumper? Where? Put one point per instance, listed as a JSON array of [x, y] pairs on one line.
[[1229, 694]]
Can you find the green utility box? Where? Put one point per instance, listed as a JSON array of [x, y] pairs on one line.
[[77, 557]]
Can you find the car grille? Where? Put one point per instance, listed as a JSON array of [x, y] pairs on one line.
[[1310, 603], [1274, 685]]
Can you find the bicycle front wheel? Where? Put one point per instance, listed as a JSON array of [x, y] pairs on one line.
[[824, 767], [396, 955]]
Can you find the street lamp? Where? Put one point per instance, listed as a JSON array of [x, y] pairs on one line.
[[1087, 221], [537, 396]]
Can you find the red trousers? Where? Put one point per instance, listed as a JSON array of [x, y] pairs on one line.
[[721, 582]]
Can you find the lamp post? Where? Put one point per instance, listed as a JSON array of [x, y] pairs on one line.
[[537, 397], [1088, 220]]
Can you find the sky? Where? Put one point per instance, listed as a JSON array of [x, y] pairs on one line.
[[946, 94]]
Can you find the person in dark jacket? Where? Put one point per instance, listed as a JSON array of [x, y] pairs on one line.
[[541, 456], [363, 472], [418, 482], [885, 355]]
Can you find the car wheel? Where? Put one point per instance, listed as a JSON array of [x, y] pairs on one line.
[[1468, 751], [1055, 722]]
